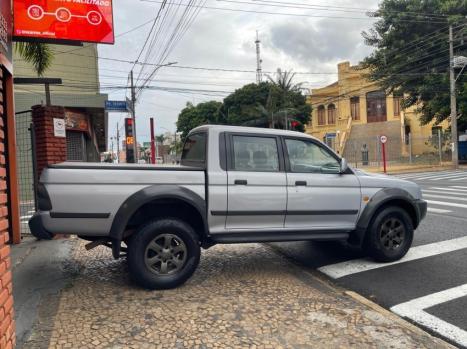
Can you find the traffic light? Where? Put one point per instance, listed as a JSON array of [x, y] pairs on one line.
[[294, 124], [130, 140]]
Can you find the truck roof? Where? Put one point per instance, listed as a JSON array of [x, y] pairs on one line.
[[272, 131]]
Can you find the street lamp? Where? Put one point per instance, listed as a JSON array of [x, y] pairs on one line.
[[457, 62]]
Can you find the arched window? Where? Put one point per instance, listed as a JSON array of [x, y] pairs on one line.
[[321, 115], [331, 114], [355, 108], [376, 106]]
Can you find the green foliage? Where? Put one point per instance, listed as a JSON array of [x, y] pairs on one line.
[[412, 55], [268, 104], [39, 55], [204, 113]]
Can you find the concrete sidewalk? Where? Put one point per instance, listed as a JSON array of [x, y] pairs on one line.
[[242, 296]]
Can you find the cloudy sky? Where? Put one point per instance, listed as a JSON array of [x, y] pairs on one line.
[[311, 40]]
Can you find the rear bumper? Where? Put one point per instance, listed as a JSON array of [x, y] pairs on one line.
[[36, 226], [421, 206]]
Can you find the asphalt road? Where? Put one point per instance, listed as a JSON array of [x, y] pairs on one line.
[[429, 286]]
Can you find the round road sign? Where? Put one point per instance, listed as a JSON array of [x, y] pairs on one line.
[[383, 139]]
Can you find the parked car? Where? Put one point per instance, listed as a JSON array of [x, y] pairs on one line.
[[234, 185]]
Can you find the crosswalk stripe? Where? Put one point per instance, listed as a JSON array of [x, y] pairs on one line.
[[415, 311], [442, 203], [451, 177], [354, 266], [443, 192], [440, 176], [458, 179], [433, 176], [445, 197], [458, 186], [437, 210], [450, 189]]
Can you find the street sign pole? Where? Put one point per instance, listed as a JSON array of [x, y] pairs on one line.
[[133, 116], [383, 140], [153, 145]]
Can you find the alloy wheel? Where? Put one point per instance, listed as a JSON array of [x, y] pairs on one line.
[[166, 254], [392, 233]]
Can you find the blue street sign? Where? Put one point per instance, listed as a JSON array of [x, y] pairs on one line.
[[116, 106]]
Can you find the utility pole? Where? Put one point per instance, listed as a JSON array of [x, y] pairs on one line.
[[118, 145], [452, 79], [133, 115], [259, 76], [112, 149]]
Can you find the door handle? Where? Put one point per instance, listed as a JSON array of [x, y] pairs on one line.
[[241, 182], [300, 183]]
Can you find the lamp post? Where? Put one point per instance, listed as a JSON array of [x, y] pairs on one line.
[[458, 62]]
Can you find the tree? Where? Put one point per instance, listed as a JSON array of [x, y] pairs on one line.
[[203, 113], [412, 54], [160, 139], [39, 55], [266, 105], [284, 81]]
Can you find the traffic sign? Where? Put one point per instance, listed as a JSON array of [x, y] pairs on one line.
[[383, 139], [116, 106]]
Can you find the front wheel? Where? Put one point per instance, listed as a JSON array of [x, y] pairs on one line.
[[389, 235], [163, 254]]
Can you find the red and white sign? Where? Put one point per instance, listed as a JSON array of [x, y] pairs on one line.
[[383, 139], [64, 20]]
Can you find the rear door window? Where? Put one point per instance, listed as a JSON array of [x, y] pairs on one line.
[[255, 154], [194, 150]]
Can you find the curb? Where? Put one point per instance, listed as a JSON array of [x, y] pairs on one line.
[[399, 320], [329, 284]]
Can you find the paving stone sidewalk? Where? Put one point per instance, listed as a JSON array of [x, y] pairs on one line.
[[242, 296]]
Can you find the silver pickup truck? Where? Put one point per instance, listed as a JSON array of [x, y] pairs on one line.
[[234, 185]]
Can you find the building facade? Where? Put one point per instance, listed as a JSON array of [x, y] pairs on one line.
[[79, 93], [78, 98], [352, 113], [9, 208]]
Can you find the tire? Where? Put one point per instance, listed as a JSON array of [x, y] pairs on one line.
[[389, 235], [163, 254]]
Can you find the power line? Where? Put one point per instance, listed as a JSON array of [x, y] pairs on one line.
[[291, 14], [283, 4]]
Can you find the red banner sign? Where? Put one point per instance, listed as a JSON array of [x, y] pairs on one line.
[[64, 20]]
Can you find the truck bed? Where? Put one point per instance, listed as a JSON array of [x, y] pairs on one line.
[[86, 196]]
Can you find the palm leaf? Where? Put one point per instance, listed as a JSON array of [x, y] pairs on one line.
[[39, 55]]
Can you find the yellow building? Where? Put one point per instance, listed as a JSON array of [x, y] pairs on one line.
[[353, 113]]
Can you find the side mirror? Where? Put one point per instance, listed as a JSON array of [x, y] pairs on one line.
[[343, 166]]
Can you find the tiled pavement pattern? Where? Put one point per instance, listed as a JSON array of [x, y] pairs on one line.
[[242, 296]]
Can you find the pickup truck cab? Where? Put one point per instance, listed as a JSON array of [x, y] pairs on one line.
[[234, 185]]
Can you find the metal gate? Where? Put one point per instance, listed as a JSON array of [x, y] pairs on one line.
[[26, 167]]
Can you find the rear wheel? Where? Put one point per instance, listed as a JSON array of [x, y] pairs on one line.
[[390, 235], [163, 254]]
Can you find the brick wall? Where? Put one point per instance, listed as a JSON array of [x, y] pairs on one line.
[[7, 326], [49, 149]]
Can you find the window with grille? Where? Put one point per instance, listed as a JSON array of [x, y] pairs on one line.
[[75, 146], [376, 106], [355, 108], [331, 114], [321, 115], [397, 105]]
